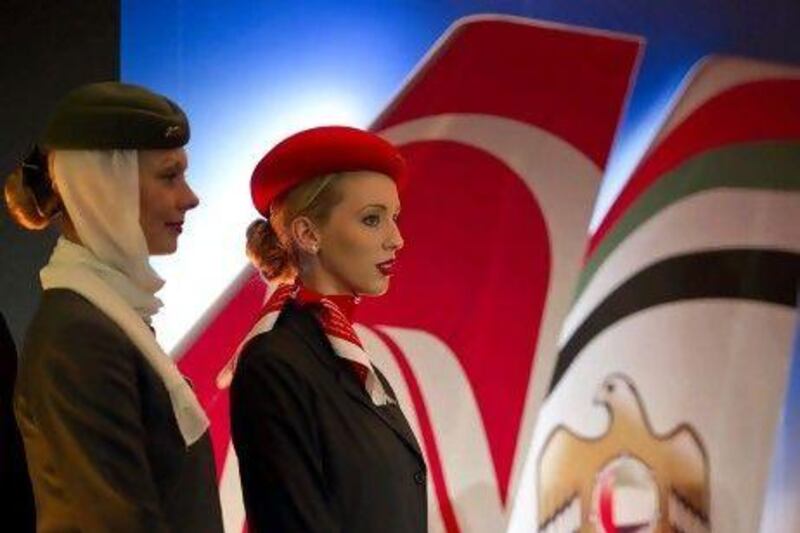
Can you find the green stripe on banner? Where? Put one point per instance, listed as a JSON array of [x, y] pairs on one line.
[[771, 165], [763, 275]]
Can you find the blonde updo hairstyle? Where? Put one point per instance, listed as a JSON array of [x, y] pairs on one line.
[[30, 196], [270, 246]]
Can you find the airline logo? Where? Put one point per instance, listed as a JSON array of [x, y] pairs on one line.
[[627, 478]]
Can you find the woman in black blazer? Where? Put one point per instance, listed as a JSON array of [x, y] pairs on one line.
[[114, 437], [321, 441]]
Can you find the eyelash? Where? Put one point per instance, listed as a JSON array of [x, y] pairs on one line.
[[368, 220], [377, 219]]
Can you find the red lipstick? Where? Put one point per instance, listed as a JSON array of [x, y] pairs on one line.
[[387, 267]]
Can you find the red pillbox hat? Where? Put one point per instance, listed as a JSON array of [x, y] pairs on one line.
[[318, 152]]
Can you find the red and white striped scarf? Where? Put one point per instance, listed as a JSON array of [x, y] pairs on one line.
[[334, 314]]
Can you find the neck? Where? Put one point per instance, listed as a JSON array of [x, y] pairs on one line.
[[323, 285], [346, 303]]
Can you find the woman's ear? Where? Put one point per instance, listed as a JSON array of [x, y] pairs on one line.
[[305, 234]]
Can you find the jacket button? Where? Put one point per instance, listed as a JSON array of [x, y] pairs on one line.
[[419, 477]]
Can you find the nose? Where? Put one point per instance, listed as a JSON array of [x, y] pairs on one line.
[[188, 199], [394, 240]]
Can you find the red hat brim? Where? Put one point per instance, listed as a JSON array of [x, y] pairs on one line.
[[318, 152]]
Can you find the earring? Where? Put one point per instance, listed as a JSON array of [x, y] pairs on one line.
[[314, 248]]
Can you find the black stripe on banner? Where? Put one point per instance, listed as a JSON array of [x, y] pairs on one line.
[[762, 275]]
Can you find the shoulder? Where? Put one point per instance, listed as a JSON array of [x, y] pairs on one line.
[[291, 343], [291, 353], [69, 335], [273, 355], [66, 315]]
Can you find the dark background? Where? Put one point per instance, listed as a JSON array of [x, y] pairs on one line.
[[47, 48]]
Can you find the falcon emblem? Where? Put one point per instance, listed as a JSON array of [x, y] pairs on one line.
[[628, 479]]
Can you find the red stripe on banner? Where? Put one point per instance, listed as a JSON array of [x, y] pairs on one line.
[[211, 350], [436, 472], [763, 110], [561, 79]]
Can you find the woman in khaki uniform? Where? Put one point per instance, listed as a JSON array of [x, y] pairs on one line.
[[114, 436]]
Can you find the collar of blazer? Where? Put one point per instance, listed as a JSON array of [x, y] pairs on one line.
[[307, 329]]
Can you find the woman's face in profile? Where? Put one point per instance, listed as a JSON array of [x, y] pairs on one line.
[[359, 242], [165, 197]]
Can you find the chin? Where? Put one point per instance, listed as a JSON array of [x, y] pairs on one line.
[[163, 248], [378, 289]]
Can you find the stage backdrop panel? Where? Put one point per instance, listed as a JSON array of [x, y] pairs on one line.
[[673, 360]]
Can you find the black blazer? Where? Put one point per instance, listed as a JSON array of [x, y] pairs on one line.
[[104, 450], [315, 455]]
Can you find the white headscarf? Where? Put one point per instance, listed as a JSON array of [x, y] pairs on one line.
[[100, 191]]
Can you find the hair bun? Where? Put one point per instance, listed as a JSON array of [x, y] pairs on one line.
[[266, 251], [29, 193]]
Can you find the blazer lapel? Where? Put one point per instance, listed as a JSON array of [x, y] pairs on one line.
[[308, 330], [392, 416]]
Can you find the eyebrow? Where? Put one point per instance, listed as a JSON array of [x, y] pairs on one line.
[[379, 206]]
